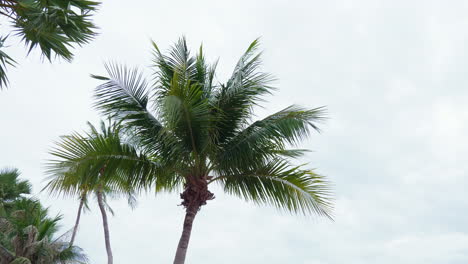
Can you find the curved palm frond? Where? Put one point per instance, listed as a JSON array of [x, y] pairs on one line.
[[233, 102], [5, 60], [268, 138], [124, 97], [186, 114], [86, 161], [54, 26], [183, 87], [179, 62], [286, 187]]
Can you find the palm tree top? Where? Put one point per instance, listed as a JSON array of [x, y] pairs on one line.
[[10, 186], [79, 168], [195, 129]]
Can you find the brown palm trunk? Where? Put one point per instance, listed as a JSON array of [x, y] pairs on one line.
[[77, 222], [190, 214], [110, 259], [5, 255]]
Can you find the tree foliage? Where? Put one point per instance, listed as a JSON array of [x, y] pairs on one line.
[[194, 128], [53, 26], [27, 234]]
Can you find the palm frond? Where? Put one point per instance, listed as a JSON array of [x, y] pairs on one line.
[[286, 187], [268, 137], [186, 113], [5, 60], [233, 103], [84, 162], [54, 26], [124, 97]]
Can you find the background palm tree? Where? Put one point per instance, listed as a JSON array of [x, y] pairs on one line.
[[198, 132], [11, 187], [28, 235], [54, 26], [77, 172]]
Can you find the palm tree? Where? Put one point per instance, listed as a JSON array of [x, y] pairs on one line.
[[68, 176], [198, 132], [52, 26], [28, 237], [10, 186], [11, 189]]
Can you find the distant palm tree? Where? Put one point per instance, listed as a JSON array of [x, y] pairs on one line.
[[10, 186], [28, 236], [196, 132], [68, 176], [11, 189]]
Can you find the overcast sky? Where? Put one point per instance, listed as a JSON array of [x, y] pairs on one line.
[[393, 75]]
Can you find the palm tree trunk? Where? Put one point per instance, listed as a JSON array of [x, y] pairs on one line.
[[110, 259], [5, 255], [190, 214], [77, 222]]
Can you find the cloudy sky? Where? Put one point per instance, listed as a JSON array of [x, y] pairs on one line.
[[391, 73]]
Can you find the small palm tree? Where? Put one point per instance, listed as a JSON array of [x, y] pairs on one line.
[[28, 237], [197, 132], [68, 176]]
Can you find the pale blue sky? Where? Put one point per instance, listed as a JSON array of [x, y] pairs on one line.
[[392, 74]]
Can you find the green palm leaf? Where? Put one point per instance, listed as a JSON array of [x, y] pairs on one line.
[[54, 26], [283, 186], [268, 138]]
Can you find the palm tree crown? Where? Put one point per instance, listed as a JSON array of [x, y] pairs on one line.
[[10, 186], [185, 131], [199, 132]]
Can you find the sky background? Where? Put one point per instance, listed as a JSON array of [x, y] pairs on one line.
[[391, 73]]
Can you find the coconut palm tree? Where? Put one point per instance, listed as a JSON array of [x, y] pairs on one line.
[[28, 236], [197, 132], [53, 26], [77, 172]]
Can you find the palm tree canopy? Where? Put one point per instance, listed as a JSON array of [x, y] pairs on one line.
[[192, 129], [30, 235], [53, 26], [10, 186], [83, 164]]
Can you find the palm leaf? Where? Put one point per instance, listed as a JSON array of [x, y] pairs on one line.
[[5, 60], [233, 102], [268, 137], [283, 186]]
